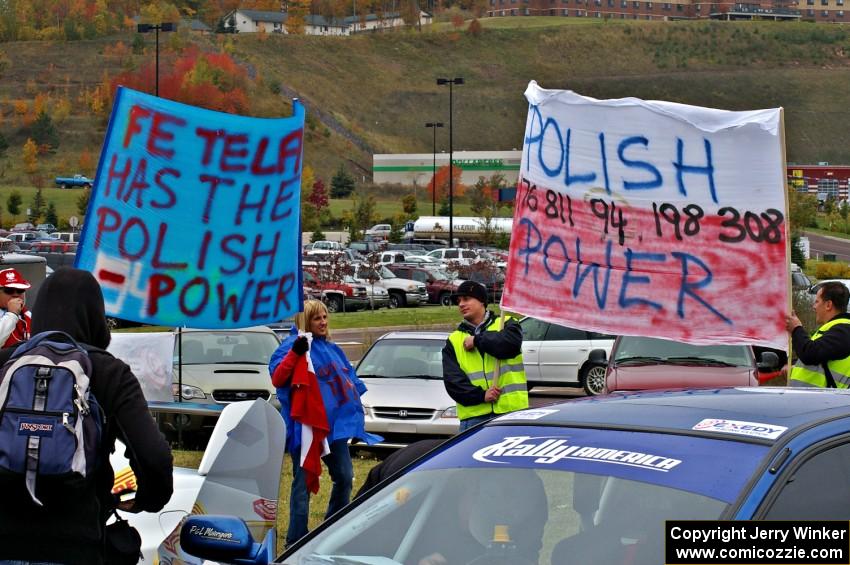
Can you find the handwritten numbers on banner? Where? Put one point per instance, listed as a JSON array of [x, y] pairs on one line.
[[650, 218]]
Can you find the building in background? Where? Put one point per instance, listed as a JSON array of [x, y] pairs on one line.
[[256, 21]]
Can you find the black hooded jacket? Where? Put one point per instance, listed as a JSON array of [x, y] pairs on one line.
[[69, 528]]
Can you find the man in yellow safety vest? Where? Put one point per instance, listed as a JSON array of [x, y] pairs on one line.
[[824, 359], [469, 360]]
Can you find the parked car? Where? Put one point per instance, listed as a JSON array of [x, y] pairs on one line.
[[49, 228], [337, 296], [641, 363], [76, 181], [591, 481], [457, 254], [23, 226], [392, 257], [559, 355], [24, 239], [429, 244], [380, 230], [366, 247], [323, 248], [799, 279], [403, 292], [407, 400], [69, 236], [219, 367], [58, 253], [437, 283]]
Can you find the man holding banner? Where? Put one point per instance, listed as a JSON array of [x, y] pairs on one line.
[[470, 361], [824, 359]]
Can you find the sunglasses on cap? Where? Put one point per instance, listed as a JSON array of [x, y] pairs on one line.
[[13, 290]]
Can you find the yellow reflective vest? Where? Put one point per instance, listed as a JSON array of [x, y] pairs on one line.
[[814, 375], [479, 367]]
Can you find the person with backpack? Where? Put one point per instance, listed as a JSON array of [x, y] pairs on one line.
[[63, 519], [15, 319]]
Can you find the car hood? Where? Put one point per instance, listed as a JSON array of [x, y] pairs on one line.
[[413, 393], [210, 376]]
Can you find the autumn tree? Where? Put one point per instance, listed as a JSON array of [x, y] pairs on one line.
[[296, 16], [408, 204], [86, 161], [440, 183], [30, 156], [474, 28]]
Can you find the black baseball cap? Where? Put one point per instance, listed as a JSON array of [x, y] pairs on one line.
[[474, 289]]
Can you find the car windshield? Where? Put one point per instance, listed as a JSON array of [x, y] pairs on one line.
[[201, 348], [403, 358], [649, 349], [562, 497]]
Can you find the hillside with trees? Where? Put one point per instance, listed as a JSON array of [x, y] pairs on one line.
[[373, 93]]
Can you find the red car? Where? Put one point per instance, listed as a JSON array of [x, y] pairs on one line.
[[641, 363], [438, 285], [338, 296]]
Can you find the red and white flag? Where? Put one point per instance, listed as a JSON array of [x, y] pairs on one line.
[[308, 409]]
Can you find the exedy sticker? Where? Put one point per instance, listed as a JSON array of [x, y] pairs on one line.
[[752, 429]]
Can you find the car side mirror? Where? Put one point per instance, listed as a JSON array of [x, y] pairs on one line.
[[598, 356], [225, 539], [769, 362]]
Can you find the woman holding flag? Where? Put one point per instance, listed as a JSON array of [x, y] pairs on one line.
[[319, 395]]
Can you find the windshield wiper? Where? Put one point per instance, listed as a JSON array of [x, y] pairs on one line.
[[640, 360], [700, 361], [430, 377]]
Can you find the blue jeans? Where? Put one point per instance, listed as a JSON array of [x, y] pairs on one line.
[[475, 420], [338, 462]]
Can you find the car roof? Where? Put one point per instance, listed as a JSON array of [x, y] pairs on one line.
[[680, 411], [435, 335]]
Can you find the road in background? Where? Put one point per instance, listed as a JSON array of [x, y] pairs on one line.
[[820, 245]]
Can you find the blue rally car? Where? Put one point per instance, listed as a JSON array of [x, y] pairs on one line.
[[588, 481]]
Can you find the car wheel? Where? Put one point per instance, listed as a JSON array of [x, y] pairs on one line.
[[592, 379], [334, 304], [446, 299], [396, 300]]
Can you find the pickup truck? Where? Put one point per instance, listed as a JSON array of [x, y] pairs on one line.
[[75, 181]]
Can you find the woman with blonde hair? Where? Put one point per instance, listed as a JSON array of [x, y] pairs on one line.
[[319, 393]]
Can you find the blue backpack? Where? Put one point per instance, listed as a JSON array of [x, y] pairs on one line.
[[50, 423]]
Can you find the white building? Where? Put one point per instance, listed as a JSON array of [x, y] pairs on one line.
[[418, 168], [254, 21]]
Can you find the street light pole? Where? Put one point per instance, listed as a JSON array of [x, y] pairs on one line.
[[146, 28], [451, 82], [434, 126]]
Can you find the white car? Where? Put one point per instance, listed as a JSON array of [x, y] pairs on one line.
[[380, 230], [220, 367], [403, 292], [239, 474], [558, 355], [407, 399], [462, 256]]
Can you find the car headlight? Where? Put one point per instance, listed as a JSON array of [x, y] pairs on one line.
[[367, 411], [450, 412], [188, 392], [411, 288]]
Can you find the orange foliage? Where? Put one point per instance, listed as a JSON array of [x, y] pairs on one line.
[[442, 183], [86, 161], [207, 80], [39, 105]]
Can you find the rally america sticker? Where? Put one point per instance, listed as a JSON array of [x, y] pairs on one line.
[[752, 429], [548, 449]]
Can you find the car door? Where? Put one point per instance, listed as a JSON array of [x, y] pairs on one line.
[[533, 333], [562, 354]]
